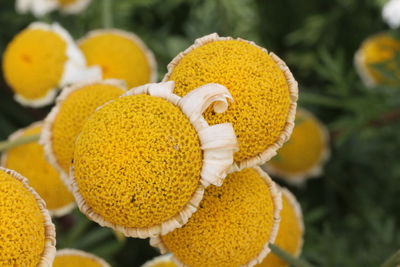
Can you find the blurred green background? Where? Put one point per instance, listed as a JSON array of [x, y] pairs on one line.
[[352, 212]]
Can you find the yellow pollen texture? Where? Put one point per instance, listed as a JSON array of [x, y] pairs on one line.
[[304, 149], [258, 86], [33, 63], [230, 228], [30, 161], [161, 263], [75, 261], [378, 49], [289, 236], [119, 57], [71, 116], [137, 161], [22, 232]]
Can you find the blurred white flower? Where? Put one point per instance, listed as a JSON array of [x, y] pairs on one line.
[[40, 8], [391, 13]]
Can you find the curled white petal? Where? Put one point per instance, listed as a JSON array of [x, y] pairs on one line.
[[391, 13], [76, 7]]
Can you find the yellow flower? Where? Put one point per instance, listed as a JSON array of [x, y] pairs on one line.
[[141, 162], [26, 232], [39, 60], [40, 8], [233, 226], [77, 258], [377, 49], [61, 127], [264, 90], [305, 153], [29, 160], [161, 261], [291, 231], [121, 55]]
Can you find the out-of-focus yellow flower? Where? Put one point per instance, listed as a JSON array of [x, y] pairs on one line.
[[29, 160], [39, 60], [233, 226], [77, 258], [26, 232], [291, 231], [161, 261], [381, 48], [263, 87], [141, 162], [305, 153], [121, 55], [40, 8]]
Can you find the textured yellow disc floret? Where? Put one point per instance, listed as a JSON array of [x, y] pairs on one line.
[[290, 234], [231, 227], [33, 63], [261, 93], [76, 258], [137, 161], [378, 49], [29, 160], [304, 153], [160, 261], [22, 226], [121, 55], [71, 113]]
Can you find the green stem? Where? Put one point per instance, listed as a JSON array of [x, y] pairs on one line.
[[5, 145], [107, 14], [288, 258], [393, 261]]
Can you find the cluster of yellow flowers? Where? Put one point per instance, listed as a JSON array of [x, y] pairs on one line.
[[176, 161]]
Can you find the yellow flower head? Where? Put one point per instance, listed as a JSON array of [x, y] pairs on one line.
[[40, 8], [65, 121], [305, 153], [377, 49], [40, 59], [26, 232], [264, 90], [141, 161], [121, 55], [233, 226], [161, 261], [76, 258], [291, 231], [29, 160]]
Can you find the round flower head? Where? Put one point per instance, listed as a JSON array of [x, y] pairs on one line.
[[40, 8], [141, 162], [290, 233], [378, 49], [161, 261], [233, 226], [264, 90], [26, 232], [75, 258], [39, 60], [121, 55], [305, 153], [74, 105], [29, 160]]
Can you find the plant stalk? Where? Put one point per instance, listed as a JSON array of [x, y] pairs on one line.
[[290, 259], [107, 14], [5, 145]]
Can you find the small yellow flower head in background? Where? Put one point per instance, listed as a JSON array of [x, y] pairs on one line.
[[305, 153], [378, 49], [63, 124], [26, 232], [264, 90], [141, 162], [233, 226], [121, 55], [161, 261], [39, 60], [77, 258], [29, 160], [291, 231], [40, 8]]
